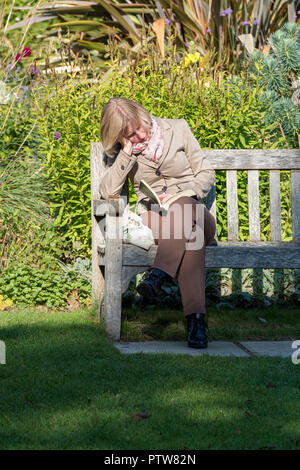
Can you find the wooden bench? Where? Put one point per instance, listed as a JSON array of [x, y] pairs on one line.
[[117, 262]]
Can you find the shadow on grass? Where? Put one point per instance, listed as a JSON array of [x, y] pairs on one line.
[[66, 387], [252, 324]]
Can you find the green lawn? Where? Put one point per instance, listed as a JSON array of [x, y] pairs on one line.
[[66, 387], [272, 323]]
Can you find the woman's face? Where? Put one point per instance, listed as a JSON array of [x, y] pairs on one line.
[[137, 134]]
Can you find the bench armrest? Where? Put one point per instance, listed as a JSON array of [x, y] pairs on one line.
[[109, 206]]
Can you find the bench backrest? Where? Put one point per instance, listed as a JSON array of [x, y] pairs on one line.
[[231, 161]]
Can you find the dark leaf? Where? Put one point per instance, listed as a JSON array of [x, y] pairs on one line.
[[140, 416]]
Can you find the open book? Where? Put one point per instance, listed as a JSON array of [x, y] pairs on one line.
[[146, 189]]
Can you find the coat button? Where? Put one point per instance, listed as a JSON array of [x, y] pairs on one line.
[[158, 173], [122, 167]]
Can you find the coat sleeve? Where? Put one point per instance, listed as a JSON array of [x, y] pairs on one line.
[[115, 175], [204, 175]]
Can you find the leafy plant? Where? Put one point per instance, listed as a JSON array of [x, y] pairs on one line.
[[278, 71], [212, 25], [26, 285]]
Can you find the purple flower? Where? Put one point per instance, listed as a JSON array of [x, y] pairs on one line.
[[243, 44], [256, 21], [208, 30], [164, 65], [295, 16], [168, 21], [226, 12], [57, 135], [298, 12], [244, 23], [34, 71]]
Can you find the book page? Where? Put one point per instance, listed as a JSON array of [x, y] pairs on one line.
[[146, 189], [174, 197]]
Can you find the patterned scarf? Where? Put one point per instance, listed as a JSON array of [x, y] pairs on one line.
[[153, 148]]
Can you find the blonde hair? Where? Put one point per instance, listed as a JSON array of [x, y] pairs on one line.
[[116, 114]]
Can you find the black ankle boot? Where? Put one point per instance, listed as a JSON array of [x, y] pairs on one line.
[[150, 286], [196, 330]]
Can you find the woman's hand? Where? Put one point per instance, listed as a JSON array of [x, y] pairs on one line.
[[127, 146], [164, 196]]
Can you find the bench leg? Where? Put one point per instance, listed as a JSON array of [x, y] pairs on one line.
[[113, 305], [113, 286]]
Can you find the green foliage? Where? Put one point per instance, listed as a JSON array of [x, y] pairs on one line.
[[72, 113], [278, 74], [106, 24], [31, 286], [26, 228]]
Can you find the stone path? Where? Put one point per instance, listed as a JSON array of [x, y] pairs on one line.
[[215, 348]]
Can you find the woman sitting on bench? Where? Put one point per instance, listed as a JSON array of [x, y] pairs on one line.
[[166, 155]]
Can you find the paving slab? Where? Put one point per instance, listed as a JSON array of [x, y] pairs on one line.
[[269, 348], [215, 348]]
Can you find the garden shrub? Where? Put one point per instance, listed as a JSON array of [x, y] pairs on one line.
[[25, 285]]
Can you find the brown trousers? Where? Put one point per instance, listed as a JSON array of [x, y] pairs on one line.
[[177, 251]]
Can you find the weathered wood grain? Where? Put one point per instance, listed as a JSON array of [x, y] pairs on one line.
[[254, 159], [232, 205], [210, 201], [275, 205], [110, 206], [98, 237], [253, 205], [295, 182], [113, 277], [229, 254]]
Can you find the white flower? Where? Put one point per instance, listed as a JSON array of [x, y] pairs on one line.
[[4, 96]]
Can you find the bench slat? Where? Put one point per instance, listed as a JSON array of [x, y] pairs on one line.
[[227, 255], [253, 257], [295, 183], [232, 205], [275, 205], [253, 205], [254, 159], [211, 201]]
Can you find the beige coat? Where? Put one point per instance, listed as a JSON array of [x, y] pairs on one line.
[[182, 165]]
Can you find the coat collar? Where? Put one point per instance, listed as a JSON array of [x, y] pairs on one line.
[[167, 133]]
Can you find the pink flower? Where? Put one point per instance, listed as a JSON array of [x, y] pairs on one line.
[[26, 52]]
